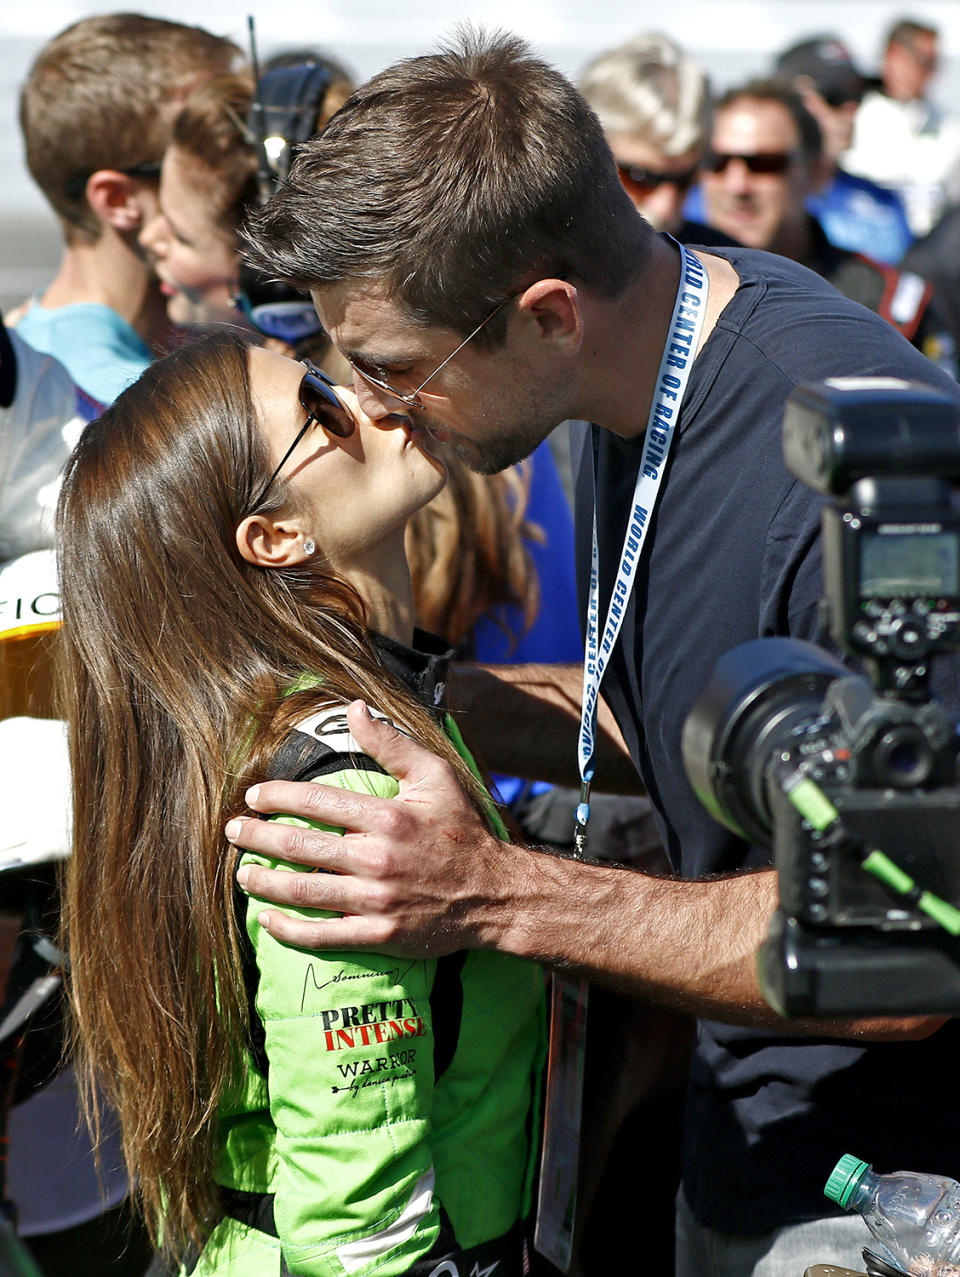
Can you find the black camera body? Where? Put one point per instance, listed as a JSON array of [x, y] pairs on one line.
[[855, 781]]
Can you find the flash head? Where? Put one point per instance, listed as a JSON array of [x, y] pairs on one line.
[[839, 431]]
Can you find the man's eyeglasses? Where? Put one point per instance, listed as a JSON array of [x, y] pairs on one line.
[[322, 406], [647, 180], [76, 185], [412, 397], [765, 163]]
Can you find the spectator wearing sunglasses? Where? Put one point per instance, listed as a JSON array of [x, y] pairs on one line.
[[102, 315], [854, 212], [652, 101], [765, 161]]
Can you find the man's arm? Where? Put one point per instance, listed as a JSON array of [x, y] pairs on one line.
[[422, 875], [541, 705]]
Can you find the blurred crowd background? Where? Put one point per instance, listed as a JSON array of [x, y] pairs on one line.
[[768, 160], [732, 39]]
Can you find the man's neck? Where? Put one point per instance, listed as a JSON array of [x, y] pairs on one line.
[[110, 274], [798, 241], [626, 339]]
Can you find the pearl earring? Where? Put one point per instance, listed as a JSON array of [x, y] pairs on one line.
[[309, 546]]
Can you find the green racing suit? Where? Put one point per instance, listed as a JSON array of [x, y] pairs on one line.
[[387, 1121]]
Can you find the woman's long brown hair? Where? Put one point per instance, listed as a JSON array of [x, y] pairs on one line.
[[468, 553], [176, 655]]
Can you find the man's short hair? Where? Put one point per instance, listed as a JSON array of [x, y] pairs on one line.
[[650, 88], [102, 95], [455, 179], [774, 89], [906, 30]]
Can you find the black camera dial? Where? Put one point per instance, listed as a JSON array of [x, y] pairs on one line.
[[908, 636]]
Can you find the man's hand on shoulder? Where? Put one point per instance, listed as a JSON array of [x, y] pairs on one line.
[[419, 874]]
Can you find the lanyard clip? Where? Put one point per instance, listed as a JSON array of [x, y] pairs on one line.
[[583, 815]]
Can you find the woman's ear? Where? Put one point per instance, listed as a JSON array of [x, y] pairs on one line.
[[269, 544]]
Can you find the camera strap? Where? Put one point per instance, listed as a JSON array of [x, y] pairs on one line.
[[679, 350]]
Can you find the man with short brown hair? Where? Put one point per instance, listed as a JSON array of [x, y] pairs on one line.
[[96, 112], [445, 222], [472, 252]]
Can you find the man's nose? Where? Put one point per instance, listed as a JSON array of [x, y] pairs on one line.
[[376, 403], [736, 176]]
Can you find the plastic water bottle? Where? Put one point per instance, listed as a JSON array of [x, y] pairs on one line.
[[914, 1218]]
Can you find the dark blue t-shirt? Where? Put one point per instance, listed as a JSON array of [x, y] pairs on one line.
[[732, 554]]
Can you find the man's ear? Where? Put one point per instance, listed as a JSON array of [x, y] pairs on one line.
[[552, 307], [114, 199], [269, 544]]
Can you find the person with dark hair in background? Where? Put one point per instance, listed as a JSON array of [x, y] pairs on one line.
[[471, 250], [766, 159], [102, 315], [854, 212], [901, 139]]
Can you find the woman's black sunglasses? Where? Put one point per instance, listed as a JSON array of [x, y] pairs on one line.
[[321, 404]]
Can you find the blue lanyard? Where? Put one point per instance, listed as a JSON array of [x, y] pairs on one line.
[[686, 325]]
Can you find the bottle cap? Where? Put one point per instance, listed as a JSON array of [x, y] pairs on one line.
[[844, 1178]]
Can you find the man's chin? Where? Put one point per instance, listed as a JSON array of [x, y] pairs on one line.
[[491, 458], [499, 452]]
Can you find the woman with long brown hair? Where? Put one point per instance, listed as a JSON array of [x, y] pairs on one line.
[[232, 577]]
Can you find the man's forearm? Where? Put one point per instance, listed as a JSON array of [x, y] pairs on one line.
[[686, 945], [689, 946], [423, 875], [523, 720]]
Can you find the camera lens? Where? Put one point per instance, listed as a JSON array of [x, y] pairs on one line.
[[902, 757], [758, 694]]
